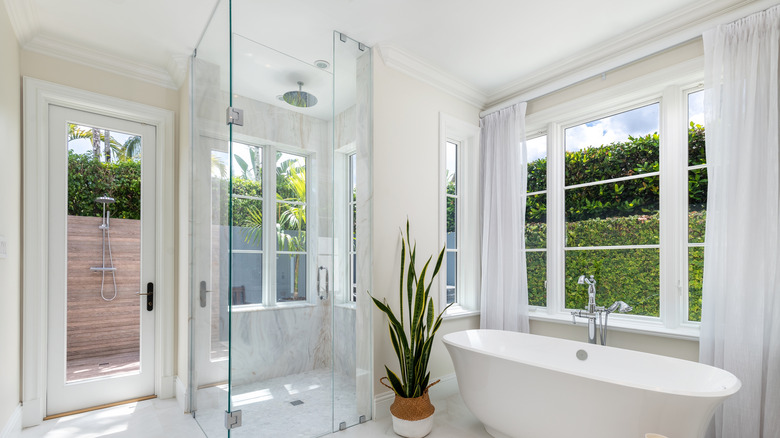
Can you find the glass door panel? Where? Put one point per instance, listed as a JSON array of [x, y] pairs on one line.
[[352, 239], [210, 200], [101, 330], [281, 349]]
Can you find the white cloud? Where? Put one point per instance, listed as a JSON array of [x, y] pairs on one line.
[[636, 123]]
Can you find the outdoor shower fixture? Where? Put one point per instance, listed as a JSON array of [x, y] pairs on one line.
[[105, 227], [300, 98]]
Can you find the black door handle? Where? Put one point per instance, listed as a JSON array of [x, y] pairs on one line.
[[149, 296]]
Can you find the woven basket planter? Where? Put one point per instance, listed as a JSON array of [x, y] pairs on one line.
[[412, 417]]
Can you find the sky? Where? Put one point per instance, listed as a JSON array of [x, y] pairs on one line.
[[617, 128]]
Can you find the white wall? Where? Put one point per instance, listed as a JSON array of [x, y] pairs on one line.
[[405, 164], [10, 222]]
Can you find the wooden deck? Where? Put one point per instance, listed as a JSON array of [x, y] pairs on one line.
[[102, 336], [103, 366]]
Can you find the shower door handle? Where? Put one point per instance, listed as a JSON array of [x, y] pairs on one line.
[[203, 293], [327, 283], [149, 296]]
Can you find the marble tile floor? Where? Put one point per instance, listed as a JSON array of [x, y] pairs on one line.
[[163, 419], [268, 410], [147, 419]]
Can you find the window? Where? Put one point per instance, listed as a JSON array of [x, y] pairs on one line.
[[612, 194], [609, 199], [451, 199], [352, 218], [536, 221], [459, 217], [697, 202], [291, 245], [268, 234], [247, 198]]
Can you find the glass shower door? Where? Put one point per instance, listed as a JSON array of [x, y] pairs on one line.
[[281, 246], [281, 306]]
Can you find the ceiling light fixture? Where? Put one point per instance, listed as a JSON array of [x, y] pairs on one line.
[[300, 98]]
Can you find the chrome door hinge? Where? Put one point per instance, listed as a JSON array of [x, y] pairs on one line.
[[235, 116], [232, 419]]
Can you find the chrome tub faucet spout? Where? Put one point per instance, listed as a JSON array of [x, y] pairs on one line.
[[592, 312]]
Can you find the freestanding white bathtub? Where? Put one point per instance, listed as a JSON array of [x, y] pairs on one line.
[[528, 386]]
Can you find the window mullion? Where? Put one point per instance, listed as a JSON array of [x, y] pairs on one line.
[[269, 226], [673, 138], [555, 219]]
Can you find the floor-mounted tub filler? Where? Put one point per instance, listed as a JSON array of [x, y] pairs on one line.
[[528, 386]]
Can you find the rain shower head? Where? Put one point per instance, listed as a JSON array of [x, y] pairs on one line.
[[104, 200], [300, 98]]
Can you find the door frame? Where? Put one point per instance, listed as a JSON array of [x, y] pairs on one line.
[[38, 95]]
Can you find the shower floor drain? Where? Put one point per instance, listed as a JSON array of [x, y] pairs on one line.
[[296, 402]]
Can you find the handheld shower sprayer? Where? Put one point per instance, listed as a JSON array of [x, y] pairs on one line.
[[105, 227]]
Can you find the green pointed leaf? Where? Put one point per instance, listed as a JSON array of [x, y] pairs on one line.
[[395, 382], [401, 285]]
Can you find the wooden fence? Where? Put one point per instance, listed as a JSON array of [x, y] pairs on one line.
[[97, 328]]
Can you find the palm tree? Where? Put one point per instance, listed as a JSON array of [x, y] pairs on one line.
[[291, 214]]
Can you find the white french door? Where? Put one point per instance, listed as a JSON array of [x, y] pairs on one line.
[[101, 236]]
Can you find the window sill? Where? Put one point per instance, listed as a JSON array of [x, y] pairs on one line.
[[456, 311], [243, 308], [631, 324]]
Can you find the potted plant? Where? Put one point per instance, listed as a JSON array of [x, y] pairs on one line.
[[411, 334]]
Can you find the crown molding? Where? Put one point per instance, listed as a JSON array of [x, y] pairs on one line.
[[410, 65], [24, 19], [673, 29], [102, 61]]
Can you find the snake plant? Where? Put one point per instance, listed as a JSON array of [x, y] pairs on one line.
[[412, 333]]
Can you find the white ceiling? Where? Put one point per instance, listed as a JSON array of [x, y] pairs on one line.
[[486, 49]]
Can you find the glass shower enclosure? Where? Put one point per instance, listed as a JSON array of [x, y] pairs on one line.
[[280, 336]]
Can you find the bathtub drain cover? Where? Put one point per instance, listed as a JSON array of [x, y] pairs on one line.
[[582, 354]]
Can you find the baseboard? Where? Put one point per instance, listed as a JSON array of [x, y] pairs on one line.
[[182, 395], [13, 428], [442, 390], [167, 387]]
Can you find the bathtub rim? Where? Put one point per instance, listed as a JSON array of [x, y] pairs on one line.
[[723, 393]]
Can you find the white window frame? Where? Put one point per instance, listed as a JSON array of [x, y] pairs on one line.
[[270, 250], [670, 87], [468, 215], [341, 280]]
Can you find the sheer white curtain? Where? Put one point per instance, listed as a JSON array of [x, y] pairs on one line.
[[740, 329], [504, 303]]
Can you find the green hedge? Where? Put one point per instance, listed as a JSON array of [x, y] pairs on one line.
[[633, 197], [630, 275], [89, 179]]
